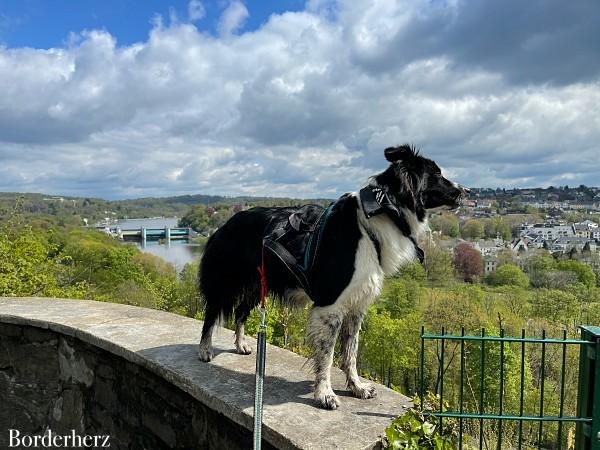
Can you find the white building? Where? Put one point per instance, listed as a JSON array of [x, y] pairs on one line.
[[548, 231]]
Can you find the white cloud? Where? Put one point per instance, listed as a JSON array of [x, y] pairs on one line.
[[196, 10], [302, 106], [232, 18]]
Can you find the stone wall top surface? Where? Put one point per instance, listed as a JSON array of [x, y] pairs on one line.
[[166, 344]]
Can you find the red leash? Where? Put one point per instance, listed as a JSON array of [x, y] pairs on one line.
[[263, 279]]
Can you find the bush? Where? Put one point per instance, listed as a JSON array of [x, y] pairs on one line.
[[585, 274], [508, 275]]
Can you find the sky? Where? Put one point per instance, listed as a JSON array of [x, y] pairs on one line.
[[125, 99]]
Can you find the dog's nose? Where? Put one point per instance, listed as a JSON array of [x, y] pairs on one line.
[[466, 190]]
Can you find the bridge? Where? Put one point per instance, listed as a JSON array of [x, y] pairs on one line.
[[148, 234]]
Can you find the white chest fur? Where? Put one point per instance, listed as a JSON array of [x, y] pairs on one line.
[[370, 271], [396, 248]]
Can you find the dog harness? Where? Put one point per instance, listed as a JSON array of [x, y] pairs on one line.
[[375, 201], [296, 240]]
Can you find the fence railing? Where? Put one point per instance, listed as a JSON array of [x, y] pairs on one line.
[[487, 356]]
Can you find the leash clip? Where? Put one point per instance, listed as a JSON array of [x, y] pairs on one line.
[[262, 310]]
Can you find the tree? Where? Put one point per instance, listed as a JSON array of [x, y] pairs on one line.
[[497, 227], [389, 346], [584, 273], [31, 265], [413, 271], [472, 229], [468, 262], [196, 218], [437, 263], [400, 297], [446, 224], [508, 275], [554, 305]]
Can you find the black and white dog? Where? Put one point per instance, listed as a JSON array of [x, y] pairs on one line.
[[362, 238]]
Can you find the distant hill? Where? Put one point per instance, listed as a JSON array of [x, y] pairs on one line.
[[95, 209]]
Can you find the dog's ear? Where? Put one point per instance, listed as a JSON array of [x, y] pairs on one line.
[[400, 153]]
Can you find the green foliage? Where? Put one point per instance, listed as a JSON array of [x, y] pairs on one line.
[[196, 218], [400, 297], [472, 229], [389, 345], [438, 264], [491, 374], [418, 431], [30, 264], [585, 274], [41, 258], [48, 256], [554, 305], [446, 224], [188, 292], [508, 275], [495, 227], [285, 325], [413, 271]]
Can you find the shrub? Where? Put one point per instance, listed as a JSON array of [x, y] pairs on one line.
[[508, 275]]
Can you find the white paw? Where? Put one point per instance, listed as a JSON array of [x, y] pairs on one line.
[[362, 390], [243, 348], [328, 401]]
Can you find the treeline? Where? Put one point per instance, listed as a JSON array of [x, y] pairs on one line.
[[72, 210]]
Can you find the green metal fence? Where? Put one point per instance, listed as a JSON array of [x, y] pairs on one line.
[[475, 356]]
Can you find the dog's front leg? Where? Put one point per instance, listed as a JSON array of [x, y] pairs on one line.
[[323, 327], [349, 338]]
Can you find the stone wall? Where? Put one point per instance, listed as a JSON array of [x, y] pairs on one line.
[[133, 373], [48, 380]]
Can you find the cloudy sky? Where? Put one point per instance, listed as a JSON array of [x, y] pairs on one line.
[[123, 99]]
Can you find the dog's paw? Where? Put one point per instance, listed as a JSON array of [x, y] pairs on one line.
[[363, 390], [205, 354], [328, 401], [243, 348]]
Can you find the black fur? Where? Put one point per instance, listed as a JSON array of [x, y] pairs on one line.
[[229, 279]]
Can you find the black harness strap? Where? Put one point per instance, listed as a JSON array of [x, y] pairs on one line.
[[295, 241]]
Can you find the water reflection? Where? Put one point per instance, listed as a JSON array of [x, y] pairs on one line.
[[178, 253]]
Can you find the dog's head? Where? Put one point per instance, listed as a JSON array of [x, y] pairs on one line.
[[417, 182]]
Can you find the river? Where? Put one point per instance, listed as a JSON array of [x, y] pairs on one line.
[[179, 253]]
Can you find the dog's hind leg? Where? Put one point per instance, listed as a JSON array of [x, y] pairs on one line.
[[322, 330], [241, 315], [205, 352], [349, 341]]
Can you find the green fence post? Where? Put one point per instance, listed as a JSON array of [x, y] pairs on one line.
[[588, 398]]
